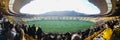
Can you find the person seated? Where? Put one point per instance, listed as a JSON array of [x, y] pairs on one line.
[[68, 36], [76, 36], [59, 37]]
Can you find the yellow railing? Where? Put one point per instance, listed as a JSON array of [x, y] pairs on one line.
[[94, 35]]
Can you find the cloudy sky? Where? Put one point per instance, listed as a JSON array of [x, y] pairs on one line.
[[43, 6]]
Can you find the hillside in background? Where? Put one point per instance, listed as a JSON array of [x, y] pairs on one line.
[[63, 13]]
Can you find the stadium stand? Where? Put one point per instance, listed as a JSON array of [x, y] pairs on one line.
[[10, 31]]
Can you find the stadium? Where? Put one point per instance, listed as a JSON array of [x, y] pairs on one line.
[[59, 19]]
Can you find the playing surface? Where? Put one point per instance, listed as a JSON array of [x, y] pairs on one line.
[[61, 26]]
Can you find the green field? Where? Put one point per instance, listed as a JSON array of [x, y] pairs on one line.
[[61, 26]]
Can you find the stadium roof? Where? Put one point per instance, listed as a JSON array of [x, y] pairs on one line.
[[106, 6]]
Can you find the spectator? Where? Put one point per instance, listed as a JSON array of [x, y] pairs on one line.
[[39, 33], [33, 31], [76, 37]]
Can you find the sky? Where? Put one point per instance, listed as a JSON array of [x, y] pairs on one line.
[[44, 6]]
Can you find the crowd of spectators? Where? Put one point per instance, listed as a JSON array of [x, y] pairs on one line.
[[10, 31], [109, 25]]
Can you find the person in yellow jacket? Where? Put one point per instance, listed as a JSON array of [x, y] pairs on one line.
[[107, 32]]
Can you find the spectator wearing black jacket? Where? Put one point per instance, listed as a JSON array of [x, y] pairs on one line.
[[39, 33], [33, 31]]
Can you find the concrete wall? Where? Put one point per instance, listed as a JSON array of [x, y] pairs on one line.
[[101, 4], [19, 4]]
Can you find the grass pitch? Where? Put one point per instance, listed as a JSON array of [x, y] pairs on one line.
[[61, 26]]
